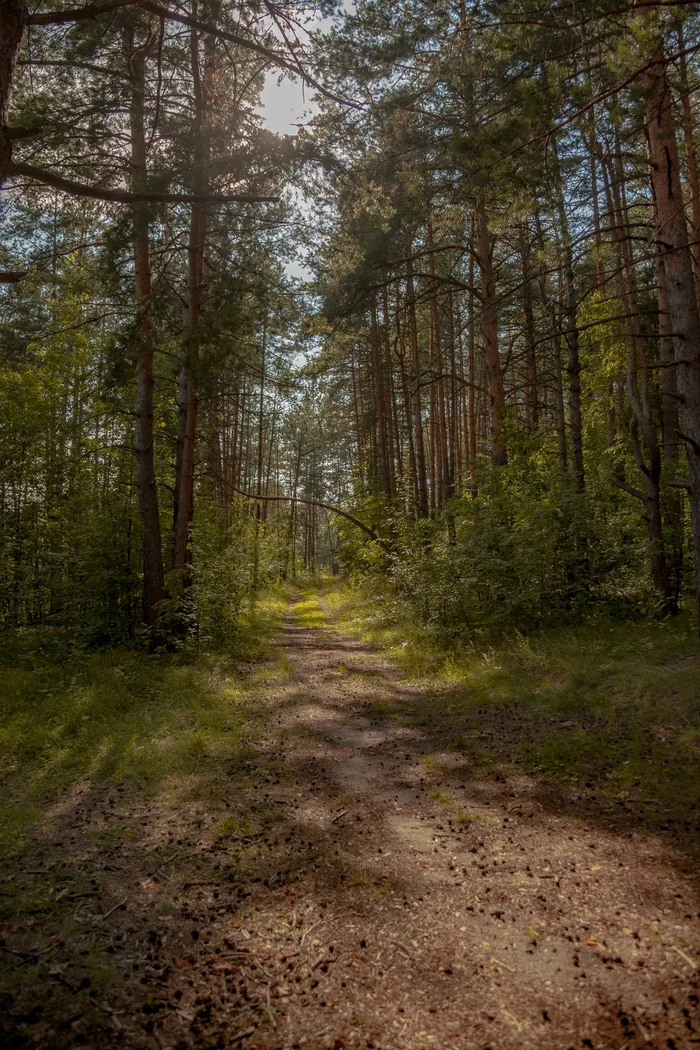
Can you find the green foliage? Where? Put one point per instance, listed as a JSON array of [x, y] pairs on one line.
[[527, 550], [68, 534]]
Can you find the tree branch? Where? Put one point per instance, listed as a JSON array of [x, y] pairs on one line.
[[367, 529], [100, 193], [689, 441], [79, 14]]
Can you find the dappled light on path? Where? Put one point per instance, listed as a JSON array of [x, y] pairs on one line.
[[353, 877]]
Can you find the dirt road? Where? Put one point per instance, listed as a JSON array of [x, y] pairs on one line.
[[371, 887], [462, 909]]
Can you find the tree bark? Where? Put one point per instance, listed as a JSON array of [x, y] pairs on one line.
[[573, 364], [691, 161], [379, 404], [489, 330], [642, 422], [471, 421], [189, 384], [672, 240], [442, 468], [13, 22], [531, 406], [416, 399], [146, 482]]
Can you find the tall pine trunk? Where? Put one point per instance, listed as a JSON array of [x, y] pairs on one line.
[[571, 336], [13, 22], [416, 399], [146, 482], [189, 396], [489, 331], [673, 246]]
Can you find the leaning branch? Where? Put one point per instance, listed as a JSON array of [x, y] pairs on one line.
[[76, 14], [620, 483], [367, 529], [101, 193]]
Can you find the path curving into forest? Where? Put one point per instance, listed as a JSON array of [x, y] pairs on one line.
[[348, 878]]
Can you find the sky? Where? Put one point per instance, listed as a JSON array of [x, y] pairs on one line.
[[285, 105]]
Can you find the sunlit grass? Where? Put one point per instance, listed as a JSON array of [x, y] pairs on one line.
[[307, 611], [611, 705], [124, 717]]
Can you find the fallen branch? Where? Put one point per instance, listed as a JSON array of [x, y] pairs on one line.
[[243, 1034], [684, 956], [269, 1009], [115, 908], [308, 931]]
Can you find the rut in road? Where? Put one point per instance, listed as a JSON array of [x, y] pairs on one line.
[[454, 907]]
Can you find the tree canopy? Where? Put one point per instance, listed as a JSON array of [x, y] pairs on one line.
[[487, 393]]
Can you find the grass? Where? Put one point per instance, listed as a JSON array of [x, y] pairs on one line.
[[612, 707], [307, 611], [124, 718]]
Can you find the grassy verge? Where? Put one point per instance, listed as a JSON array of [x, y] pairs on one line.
[[147, 723], [307, 610], [612, 707]]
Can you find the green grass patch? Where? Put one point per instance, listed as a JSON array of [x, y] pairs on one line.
[[612, 706], [145, 722], [307, 611]]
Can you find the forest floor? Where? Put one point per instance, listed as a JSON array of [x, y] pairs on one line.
[[320, 849]]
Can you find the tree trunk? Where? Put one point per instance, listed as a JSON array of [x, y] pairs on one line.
[[443, 483], [531, 407], [190, 401], [417, 405], [691, 161], [472, 376], [392, 442], [379, 404], [573, 364], [641, 410], [261, 453], [146, 483], [13, 22], [672, 240], [489, 330]]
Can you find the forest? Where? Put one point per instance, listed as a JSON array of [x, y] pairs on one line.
[[349, 524]]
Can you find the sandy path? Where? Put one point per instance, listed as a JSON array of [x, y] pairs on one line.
[[463, 911]]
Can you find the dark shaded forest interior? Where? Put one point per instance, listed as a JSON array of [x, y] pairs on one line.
[[349, 525]]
